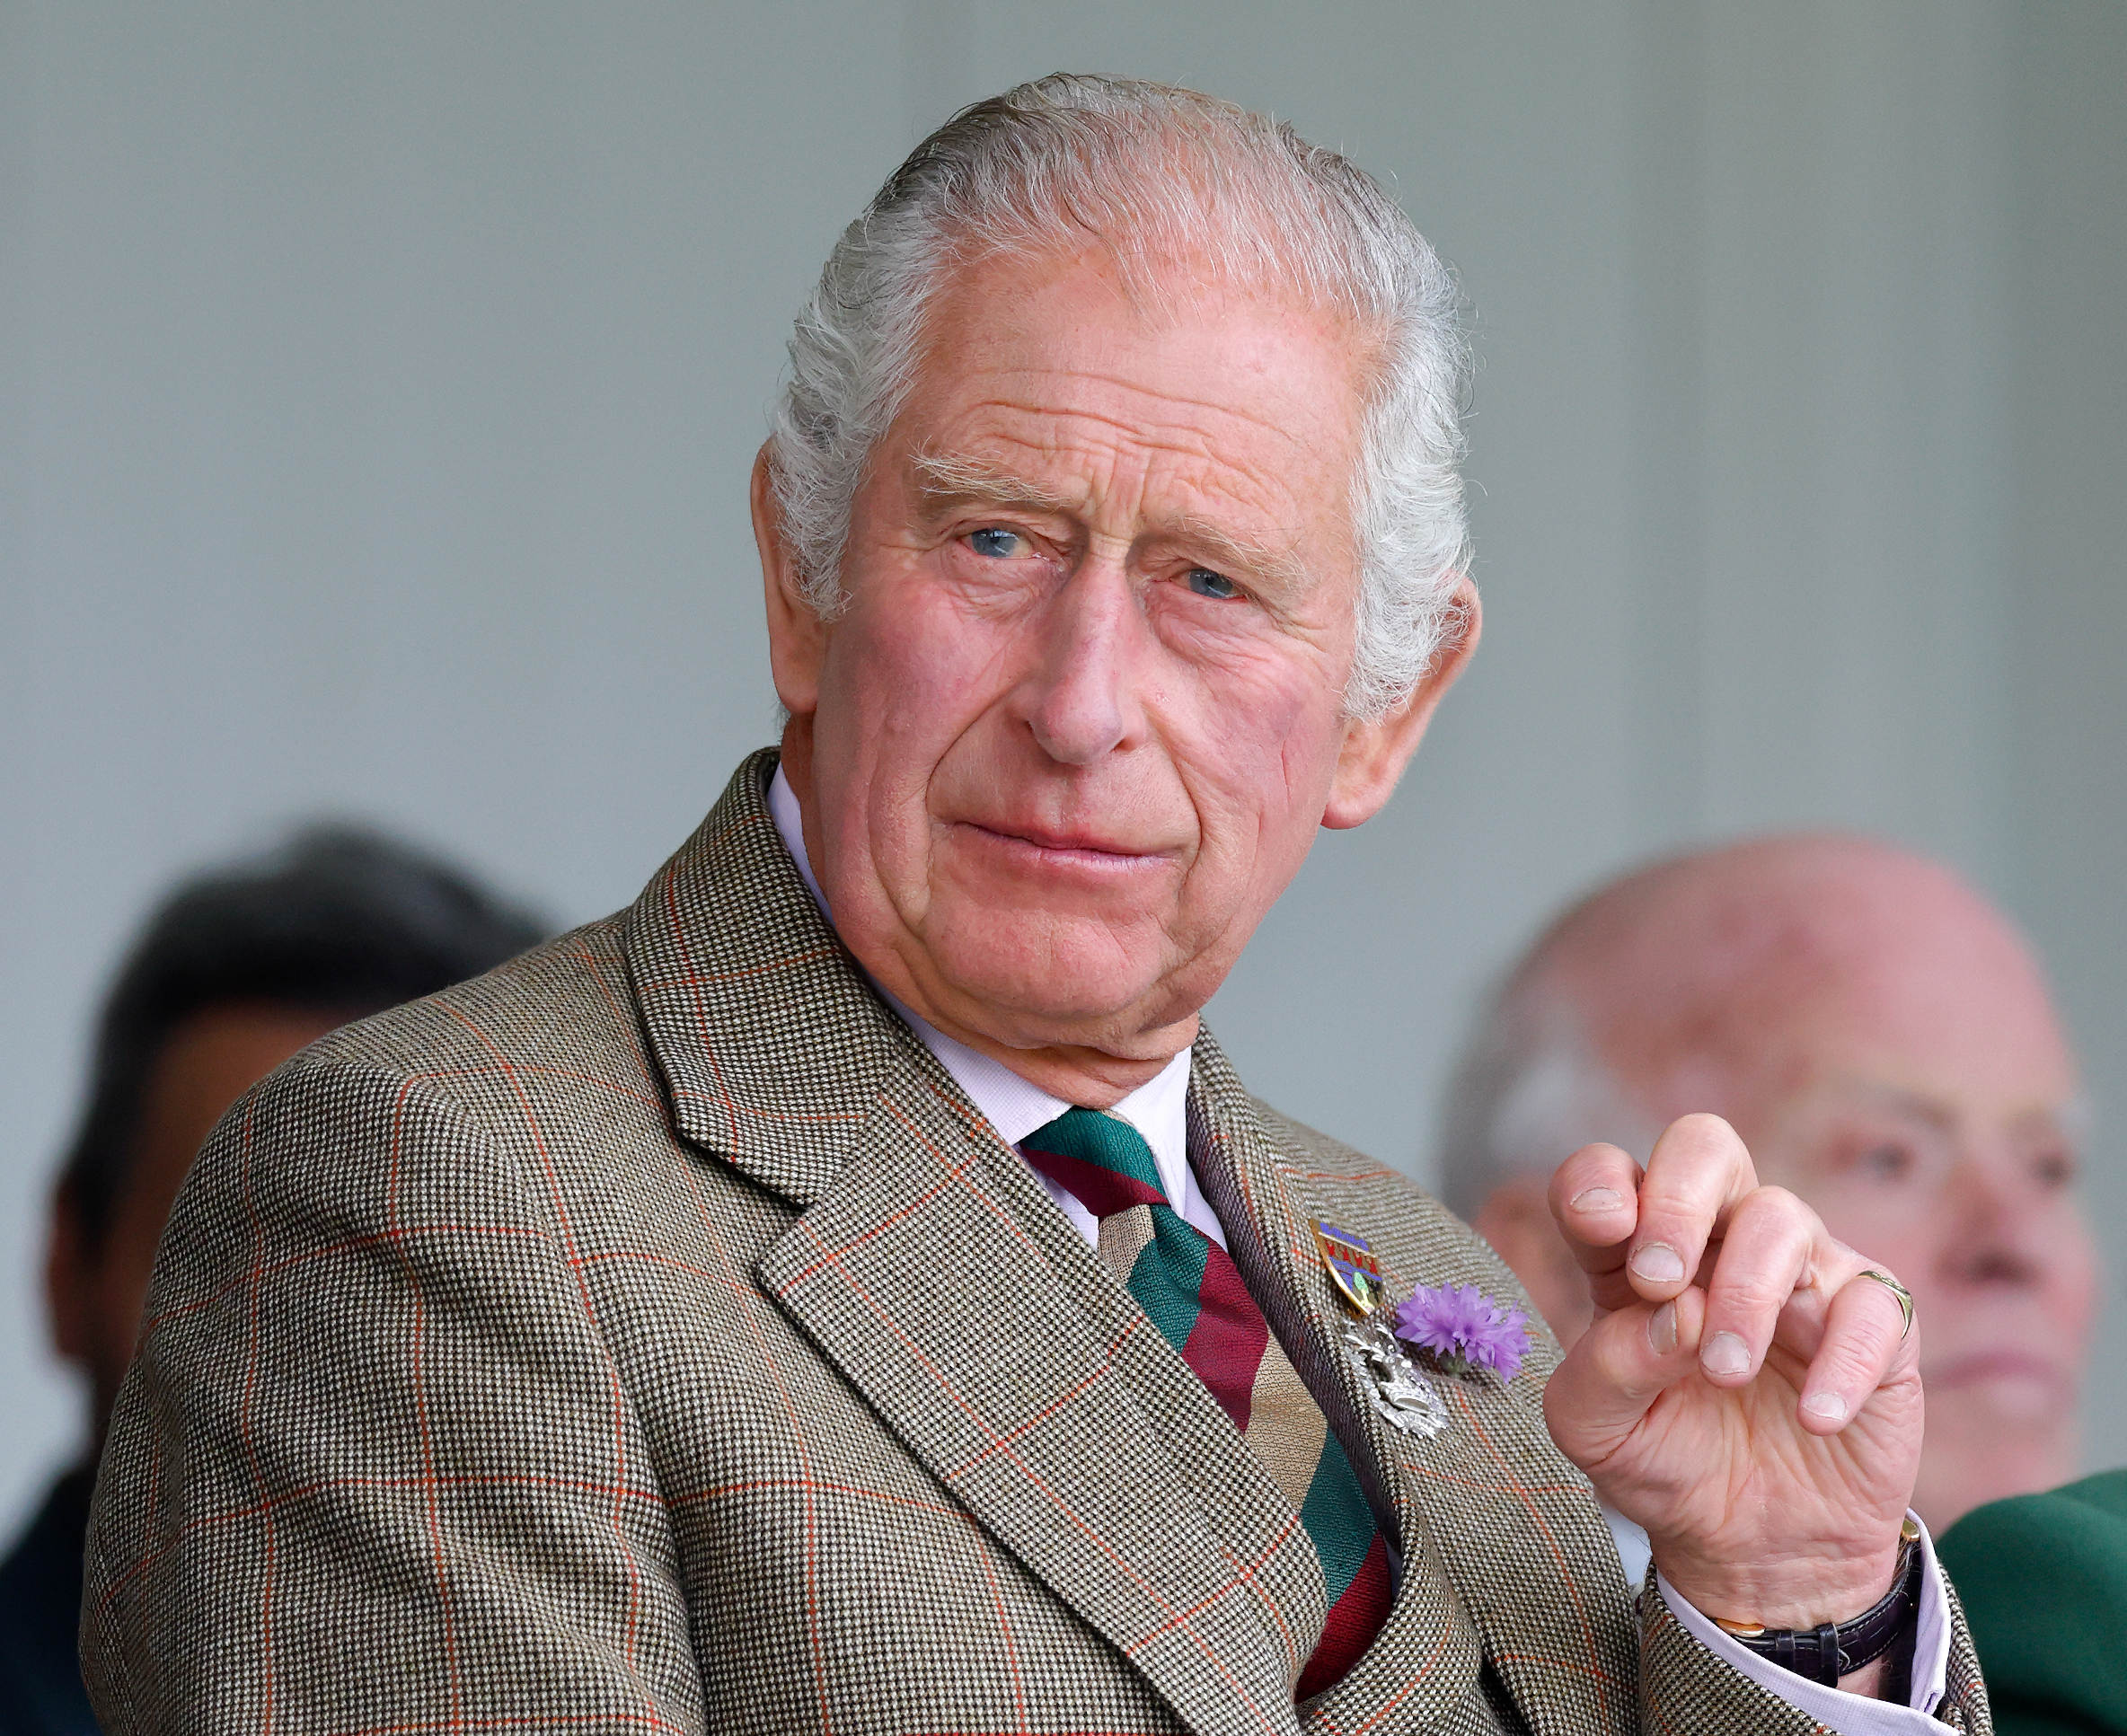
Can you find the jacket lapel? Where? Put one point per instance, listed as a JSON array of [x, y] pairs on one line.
[[1506, 1560], [934, 1272]]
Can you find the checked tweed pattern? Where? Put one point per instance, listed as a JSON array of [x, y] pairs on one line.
[[1191, 1291], [650, 1337]]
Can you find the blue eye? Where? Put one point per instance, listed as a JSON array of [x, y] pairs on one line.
[[1000, 546], [1206, 583]]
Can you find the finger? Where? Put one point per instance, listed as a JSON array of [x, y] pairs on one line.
[[1771, 1242], [1612, 1376], [1699, 1170], [1594, 1197], [1865, 1343]]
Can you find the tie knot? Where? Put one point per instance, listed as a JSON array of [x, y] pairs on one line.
[[1100, 1159]]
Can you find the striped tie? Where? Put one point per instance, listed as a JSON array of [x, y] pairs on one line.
[[1192, 1291]]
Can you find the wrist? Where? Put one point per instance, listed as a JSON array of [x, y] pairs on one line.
[[1868, 1654], [1776, 1594]]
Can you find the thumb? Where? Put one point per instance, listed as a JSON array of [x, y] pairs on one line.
[[1621, 1365]]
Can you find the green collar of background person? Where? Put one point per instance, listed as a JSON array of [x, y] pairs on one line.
[[2043, 1580]]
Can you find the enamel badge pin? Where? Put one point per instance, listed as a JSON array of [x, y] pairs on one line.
[[1401, 1393], [1352, 1268]]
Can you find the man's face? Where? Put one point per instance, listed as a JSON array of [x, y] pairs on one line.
[[1082, 717], [1957, 1171], [1920, 1099]]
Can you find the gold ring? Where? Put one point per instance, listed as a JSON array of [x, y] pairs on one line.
[[1904, 1296]]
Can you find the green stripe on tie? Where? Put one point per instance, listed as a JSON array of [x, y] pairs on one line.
[[1169, 1274], [1338, 1517]]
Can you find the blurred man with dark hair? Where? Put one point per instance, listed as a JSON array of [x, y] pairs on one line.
[[237, 971], [1885, 1044]]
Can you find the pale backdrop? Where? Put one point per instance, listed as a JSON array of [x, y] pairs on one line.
[[377, 386]]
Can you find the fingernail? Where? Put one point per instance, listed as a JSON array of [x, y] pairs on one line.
[[1662, 1329], [1829, 1406], [1658, 1264], [1725, 1353], [1596, 1199]]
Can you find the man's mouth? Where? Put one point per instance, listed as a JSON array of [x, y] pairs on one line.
[[1040, 845], [2016, 1381]]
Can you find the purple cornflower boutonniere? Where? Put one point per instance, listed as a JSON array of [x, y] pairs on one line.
[[1464, 1328]]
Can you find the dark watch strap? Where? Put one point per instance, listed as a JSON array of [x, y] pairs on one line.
[[1825, 1653]]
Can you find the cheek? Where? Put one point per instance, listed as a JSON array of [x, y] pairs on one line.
[[2076, 1269], [902, 679], [1263, 765]]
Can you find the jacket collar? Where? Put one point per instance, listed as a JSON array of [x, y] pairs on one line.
[[769, 1040]]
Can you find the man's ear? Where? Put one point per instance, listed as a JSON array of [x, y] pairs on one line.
[[797, 638], [1376, 751]]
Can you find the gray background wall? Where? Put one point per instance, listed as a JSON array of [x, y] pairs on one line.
[[377, 386]]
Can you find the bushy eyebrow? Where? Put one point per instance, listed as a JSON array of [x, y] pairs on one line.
[[948, 478]]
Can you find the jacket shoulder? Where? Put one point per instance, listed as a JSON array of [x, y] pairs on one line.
[[566, 997]]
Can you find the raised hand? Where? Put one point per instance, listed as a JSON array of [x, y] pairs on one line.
[[1745, 1395]]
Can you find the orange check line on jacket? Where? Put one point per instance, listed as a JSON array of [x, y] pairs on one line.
[[302, 1493], [811, 1486], [1064, 1508], [541, 1721], [1245, 1578], [1047, 1412], [976, 1128], [1573, 1591], [280, 1268], [583, 1291], [1011, 1642], [749, 1298], [708, 1047], [1418, 1679], [690, 978], [251, 1379], [621, 1021], [431, 1505]]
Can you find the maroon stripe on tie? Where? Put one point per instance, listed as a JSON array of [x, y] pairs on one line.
[[1102, 1192], [1226, 1344], [1354, 1620]]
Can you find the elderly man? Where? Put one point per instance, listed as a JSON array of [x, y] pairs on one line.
[[849, 1291], [1883, 1043]]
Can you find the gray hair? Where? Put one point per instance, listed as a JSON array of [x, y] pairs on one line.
[[1149, 170], [1529, 1092]]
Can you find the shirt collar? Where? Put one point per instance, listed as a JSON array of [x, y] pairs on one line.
[[1157, 1109]]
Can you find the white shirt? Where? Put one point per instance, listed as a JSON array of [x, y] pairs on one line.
[[1158, 1110]]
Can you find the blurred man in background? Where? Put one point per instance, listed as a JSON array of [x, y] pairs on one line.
[[235, 972], [1885, 1045]]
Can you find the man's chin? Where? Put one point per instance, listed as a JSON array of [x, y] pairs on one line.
[[1056, 1000]]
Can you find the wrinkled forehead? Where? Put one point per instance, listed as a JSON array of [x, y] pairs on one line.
[[1030, 360]]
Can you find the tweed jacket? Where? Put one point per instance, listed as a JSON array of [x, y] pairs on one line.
[[649, 1336]]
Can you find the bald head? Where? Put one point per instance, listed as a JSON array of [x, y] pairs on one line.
[[1734, 975], [1885, 1044]]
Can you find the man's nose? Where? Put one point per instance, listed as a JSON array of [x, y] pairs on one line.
[[1083, 700], [1999, 1238]]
